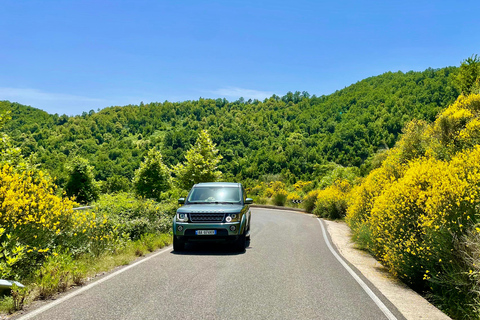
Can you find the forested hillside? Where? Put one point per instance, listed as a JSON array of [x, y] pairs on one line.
[[293, 135]]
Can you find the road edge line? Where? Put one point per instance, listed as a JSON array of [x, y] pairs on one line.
[[362, 284], [87, 287]]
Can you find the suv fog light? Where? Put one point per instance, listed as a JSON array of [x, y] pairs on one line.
[[233, 228], [180, 228]]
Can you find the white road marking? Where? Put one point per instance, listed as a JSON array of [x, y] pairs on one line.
[[362, 284], [91, 285]]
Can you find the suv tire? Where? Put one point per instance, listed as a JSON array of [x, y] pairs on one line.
[[178, 245], [241, 243]]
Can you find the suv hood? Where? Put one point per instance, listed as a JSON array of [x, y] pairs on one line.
[[210, 208]]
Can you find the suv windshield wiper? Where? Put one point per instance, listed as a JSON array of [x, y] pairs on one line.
[[225, 202]]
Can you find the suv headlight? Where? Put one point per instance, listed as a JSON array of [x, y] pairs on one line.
[[182, 217], [232, 217]]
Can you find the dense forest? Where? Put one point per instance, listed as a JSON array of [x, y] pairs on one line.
[[292, 137]]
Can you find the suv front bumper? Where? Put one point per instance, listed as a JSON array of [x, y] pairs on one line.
[[186, 231]]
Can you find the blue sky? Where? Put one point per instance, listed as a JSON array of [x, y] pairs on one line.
[[67, 57]]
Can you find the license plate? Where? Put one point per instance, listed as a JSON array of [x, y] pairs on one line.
[[206, 232]]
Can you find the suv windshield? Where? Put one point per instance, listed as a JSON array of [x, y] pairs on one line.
[[214, 194]]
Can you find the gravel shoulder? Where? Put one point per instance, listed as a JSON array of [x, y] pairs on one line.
[[408, 302]]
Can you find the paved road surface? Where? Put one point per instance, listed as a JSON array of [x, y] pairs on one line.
[[288, 272]]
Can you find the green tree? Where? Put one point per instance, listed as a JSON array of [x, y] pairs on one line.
[[8, 154], [80, 182], [468, 79], [200, 165], [116, 184], [153, 176]]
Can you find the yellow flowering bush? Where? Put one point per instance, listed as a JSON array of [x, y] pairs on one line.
[[277, 185], [273, 189], [457, 126], [268, 193], [293, 198], [35, 221], [257, 189], [332, 201], [301, 185], [413, 211], [364, 195]]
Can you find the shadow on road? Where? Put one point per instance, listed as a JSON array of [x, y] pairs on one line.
[[210, 249]]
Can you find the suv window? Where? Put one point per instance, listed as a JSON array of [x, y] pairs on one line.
[[214, 194]]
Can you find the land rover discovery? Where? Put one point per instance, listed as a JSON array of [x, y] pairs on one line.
[[213, 211]]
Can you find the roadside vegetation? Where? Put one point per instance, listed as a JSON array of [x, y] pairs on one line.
[[396, 156], [418, 211], [49, 244]]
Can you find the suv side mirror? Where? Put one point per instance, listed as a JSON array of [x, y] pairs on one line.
[[181, 201], [248, 201]]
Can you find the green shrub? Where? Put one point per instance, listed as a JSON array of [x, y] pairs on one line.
[[309, 200], [57, 274], [363, 237], [81, 182], [259, 200], [135, 217], [330, 207], [116, 184], [279, 197]]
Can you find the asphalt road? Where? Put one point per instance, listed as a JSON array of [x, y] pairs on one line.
[[288, 272]]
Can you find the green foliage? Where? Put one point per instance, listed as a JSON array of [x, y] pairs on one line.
[[81, 183], [338, 172], [279, 197], [11, 252], [309, 200], [134, 217], [201, 163], [153, 177], [57, 274], [116, 184], [8, 154], [468, 78], [286, 136], [16, 301]]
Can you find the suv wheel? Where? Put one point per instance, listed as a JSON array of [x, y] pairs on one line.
[[178, 245], [241, 244]]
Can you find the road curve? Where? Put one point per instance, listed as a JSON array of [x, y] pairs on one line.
[[288, 272]]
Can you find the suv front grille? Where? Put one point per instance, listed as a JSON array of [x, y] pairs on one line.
[[207, 217]]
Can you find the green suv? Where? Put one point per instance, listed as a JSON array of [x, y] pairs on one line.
[[213, 211]]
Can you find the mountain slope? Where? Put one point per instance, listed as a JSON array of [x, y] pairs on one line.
[[287, 135]]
